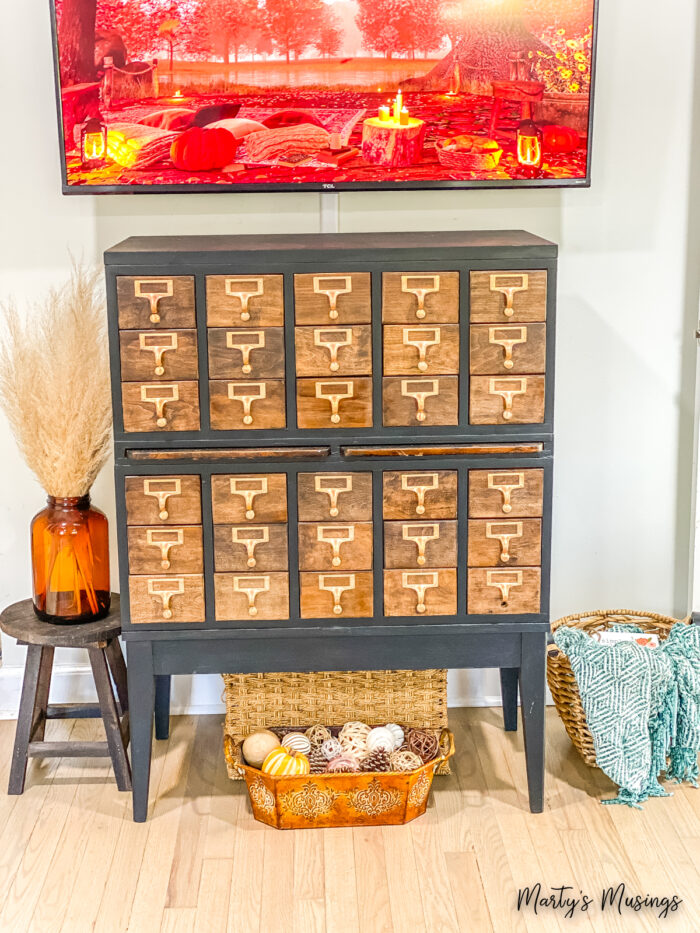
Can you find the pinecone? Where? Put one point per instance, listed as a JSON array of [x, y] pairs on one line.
[[377, 761], [317, 760]]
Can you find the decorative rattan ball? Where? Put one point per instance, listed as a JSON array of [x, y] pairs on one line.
[[297, 742], [405, 761], [424, 744], [397, 733], [331, 748], [380, 737], [353, 738], [344, 762], [317, 735]]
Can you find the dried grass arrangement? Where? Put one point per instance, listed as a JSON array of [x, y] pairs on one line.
[[54, 383]]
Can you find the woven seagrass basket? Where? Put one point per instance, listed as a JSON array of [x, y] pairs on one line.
[[560, 677], [255, 701]]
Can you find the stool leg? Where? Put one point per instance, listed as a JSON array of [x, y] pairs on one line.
[[110, 717], [117, 666], [32, 711], [509, 698], [162, 706]]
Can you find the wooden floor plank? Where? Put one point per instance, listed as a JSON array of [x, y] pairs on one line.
[[213, 896], [374, 908], [342, 914], [402, 880], [245, 901]]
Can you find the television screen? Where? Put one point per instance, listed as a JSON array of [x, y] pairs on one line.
[[210, 95]]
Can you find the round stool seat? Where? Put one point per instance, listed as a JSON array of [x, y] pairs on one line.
[[21, 622]]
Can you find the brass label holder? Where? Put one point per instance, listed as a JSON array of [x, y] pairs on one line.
[[335, 535], [335, 392], [333, 486], [234, 288], [336, 584], [251, 587], [333, 339], [245, 341], [419, 484], [508, 338], [508, 389], [246, 393], [422, 338], [495, 531], [250, 538], [157, 343], [504, 580], [506, 484], [149, 289], [420, 292], [419, 582], [421, 535], [165, 589], [160, 395], [420, 390], [498, 282], [162, 490], [324, 285], [165, 539], [249, 488]]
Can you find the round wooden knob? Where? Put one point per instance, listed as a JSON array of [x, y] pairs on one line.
[[250, 514], [167, 613], [420, 416], [334, 511], [160, 370], [422, 366], [420, 509], [421, 559], [336, 561], [337, 610], [335, 366], [421, 607], [161, 422], [335, 418], [252, 611], [154, 319], [420, 313], [245, 316], [507, 508], [508, 364], [165, 564], [246, 367], [251, 562], [333, 313], [247, 419], [162, 515], [507, 415]]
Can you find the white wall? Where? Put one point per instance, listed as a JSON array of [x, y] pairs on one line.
[[625, 347]]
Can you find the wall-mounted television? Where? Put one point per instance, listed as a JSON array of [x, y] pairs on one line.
[[290, 95]]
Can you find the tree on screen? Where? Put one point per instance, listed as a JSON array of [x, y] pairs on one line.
[[293, 24], [330, 32], [76, 34]]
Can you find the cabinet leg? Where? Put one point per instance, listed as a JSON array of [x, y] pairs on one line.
[[142, 691], [532, 693], [162, 706], [509, 698]]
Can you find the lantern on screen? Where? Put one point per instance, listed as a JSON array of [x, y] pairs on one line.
[[529, 140], [93, 143]]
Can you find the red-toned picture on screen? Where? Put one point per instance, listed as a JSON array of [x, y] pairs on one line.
[[171, 95]]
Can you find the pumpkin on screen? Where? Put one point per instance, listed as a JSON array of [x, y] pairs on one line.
[[202, 150], [557, 138]]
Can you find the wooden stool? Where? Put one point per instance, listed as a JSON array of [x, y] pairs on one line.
[[526, 92], [101, 639]]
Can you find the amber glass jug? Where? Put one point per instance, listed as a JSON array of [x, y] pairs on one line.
[[70, 561]]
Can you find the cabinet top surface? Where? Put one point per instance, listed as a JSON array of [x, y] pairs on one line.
[[139, 248]]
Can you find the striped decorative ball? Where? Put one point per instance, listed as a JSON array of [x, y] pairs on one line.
[[397, 732], [380, 738], [297, 742], [331, 748], [282, 762]]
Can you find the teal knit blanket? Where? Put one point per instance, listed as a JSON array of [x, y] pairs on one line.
[[642, 707]]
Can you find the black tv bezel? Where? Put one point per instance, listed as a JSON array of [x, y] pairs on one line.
[[223, 188]]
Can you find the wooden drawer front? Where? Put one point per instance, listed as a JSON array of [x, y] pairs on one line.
[[166, 549], [166, 598], [420, 495], [420, 401], [249, 497], [241, 353], [337, 546], [245, 301], [511, 493], [504, 542], [148, 355], [163, 500], [250, 548], [345, 497], [420, 297], [333, 298], [417, 349], [498, 590], [334, 403], [501, 349], [420, 592], [508, 297], [251, 596], [155, 301], [249, 406], [160, 406], [413, 545], [506, 400], [336, 595], [334, 351]]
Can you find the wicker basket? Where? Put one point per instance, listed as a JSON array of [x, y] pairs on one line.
[[560, 677], [253, 701], [466, 160]]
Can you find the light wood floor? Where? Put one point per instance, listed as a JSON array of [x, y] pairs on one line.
[[72, 860]]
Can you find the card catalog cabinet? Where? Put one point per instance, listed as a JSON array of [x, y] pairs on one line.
[[314, 430]]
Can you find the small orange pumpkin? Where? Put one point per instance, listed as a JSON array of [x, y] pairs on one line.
[[557, 138], [201, 150], [280, 761]]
